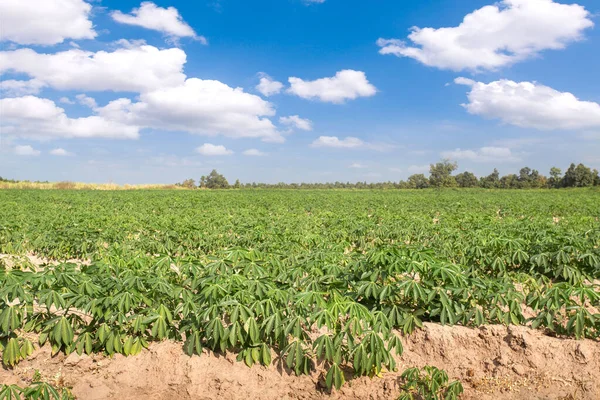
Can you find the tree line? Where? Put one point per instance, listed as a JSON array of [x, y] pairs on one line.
[[440, 175]]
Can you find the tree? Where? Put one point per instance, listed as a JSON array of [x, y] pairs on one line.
[[578, 176], [555, 177], [441, 174], [491, 181], [214, 180], [524, 180], [417, 181], [510, 181], [237, 184], [188, 183], [466, 180]]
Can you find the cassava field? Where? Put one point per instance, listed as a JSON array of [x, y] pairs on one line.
[[300, 294]]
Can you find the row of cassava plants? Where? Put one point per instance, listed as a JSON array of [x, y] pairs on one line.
[[250, 304]]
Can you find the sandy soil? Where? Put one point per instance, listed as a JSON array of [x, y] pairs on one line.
[[493, 362]]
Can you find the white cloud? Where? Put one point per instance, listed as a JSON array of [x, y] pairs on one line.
[[128, 43], [345, 85], [208, 149], [350, 142], [314, 1], [205, 107], [165, 20], [86, 101], [268, 86], [61, 152], [45, 22], [484, 154], [66, 100], [134, 69], [26, 151], [38, 118], [495, 36], [13, 87], [295, 120], [357, 166], [254, 153], [418, 169], [333, 141], [530, 105]]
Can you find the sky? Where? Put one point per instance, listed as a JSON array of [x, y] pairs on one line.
[[295, 90]]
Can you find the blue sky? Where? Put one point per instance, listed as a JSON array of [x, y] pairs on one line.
[[132, 92]]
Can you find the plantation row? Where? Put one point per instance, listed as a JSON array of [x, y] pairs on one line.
[[327, 279]]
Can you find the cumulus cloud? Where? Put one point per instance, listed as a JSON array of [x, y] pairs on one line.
[[268, 86], [198, 106], [494, 36], [165, 20], [208, 149], [11, 87], [483, 154], [530, 105], [333, 141], [134, 69], [345, 85], [26, 151], [254, 153], [87, 101], [357, 166], [45, 22], [61, 152], [165, 98], [296, 121], [38, 118], [350, 142], [66, 100]]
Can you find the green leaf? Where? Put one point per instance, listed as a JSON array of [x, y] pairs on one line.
[[12, 353], [335, 377]]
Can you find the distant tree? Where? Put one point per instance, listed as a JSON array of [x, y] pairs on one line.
[[596, 178], [579, 176], [491, 181], [440, 174], [214, 180], [510, 181], [524, 179], [188, 183], [417, 181], [555, 177], [237, 184], [466, 179]]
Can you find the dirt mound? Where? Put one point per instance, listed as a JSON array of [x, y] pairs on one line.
[[493, 362]]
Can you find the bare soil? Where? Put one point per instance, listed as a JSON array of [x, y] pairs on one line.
[[493, 362]]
